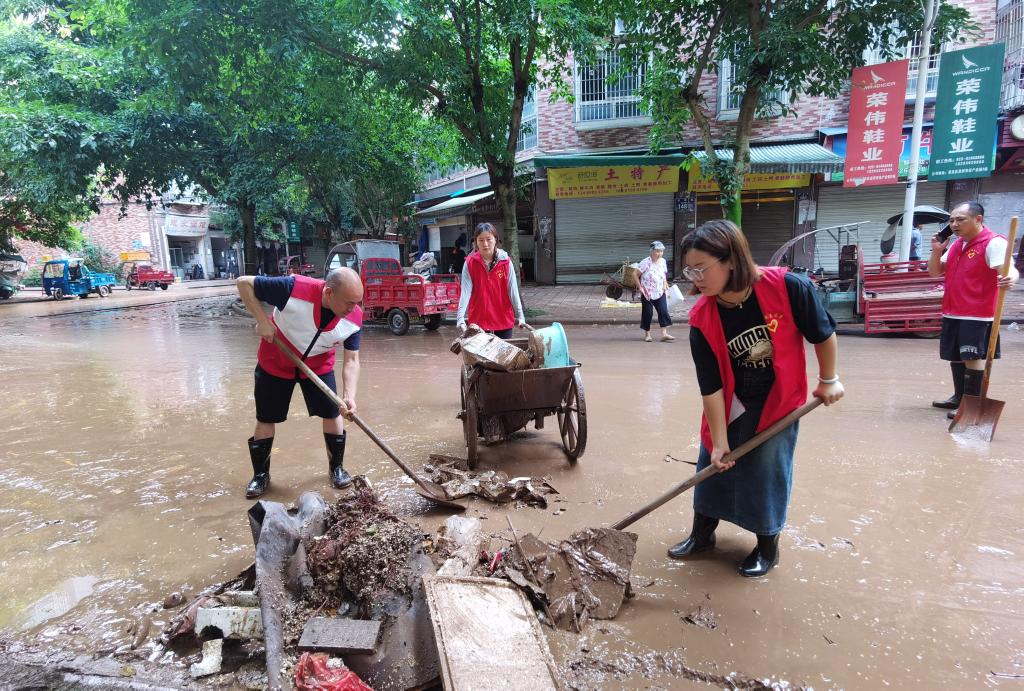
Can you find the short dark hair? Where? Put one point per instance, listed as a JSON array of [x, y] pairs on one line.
[[723, 240], [974, 208]]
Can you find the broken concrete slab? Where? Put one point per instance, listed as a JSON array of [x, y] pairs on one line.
[[236, 623], [213, 656], [338, 636], [488, 636]]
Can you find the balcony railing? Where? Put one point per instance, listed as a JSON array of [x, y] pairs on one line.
[[1010, 32], [607, 89]]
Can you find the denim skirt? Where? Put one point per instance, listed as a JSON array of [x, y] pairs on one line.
[[754, 493]]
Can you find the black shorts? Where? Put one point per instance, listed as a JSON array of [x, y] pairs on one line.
[[274, 394], [965, 339]]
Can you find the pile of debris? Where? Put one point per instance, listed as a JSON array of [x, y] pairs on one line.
[[457, 481], [493, 353]]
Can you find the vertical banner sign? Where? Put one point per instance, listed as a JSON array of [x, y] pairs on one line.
[[966, 107], [873, 144]]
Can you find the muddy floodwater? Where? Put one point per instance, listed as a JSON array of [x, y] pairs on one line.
[[123, 465]]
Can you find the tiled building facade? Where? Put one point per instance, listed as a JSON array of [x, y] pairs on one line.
[[605, 121]]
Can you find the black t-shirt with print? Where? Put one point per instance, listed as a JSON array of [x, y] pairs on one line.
[[749, 343]]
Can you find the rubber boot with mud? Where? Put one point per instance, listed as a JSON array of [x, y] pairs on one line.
[[953, 402], [259, 454], [336, 458], [702, 537], [972, 386], [763, 558]]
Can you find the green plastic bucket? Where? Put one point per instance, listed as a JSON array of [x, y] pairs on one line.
[[556, 347]]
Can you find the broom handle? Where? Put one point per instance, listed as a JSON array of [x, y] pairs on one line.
[[993, 336], [703, 475]]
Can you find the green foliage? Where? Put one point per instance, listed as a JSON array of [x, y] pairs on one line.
[[781, 51], [99, 259]]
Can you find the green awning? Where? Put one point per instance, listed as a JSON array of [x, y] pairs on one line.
[[786, 158], [453, 204], [602, 160], [775, 158]]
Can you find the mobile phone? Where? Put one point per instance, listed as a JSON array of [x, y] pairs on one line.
[[944, 234]]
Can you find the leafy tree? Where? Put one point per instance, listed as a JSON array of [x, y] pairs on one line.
[[469, 63], [793, 47]]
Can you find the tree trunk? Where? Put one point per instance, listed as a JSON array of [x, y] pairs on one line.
[[506, 198], [7, 239], [732, 209], [248, 213]]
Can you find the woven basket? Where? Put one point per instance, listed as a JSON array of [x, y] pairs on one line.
[[630, 276]]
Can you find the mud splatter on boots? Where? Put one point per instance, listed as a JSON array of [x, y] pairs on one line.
[[259, 454], [336, 458], [702, 537], [763, 558], [953, 402]]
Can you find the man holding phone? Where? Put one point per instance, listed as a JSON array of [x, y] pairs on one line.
[[970, 263]]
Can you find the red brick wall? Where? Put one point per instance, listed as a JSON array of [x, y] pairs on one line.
[[105, 229]]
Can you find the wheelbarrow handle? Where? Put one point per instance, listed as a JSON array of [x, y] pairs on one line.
[[734, 455]]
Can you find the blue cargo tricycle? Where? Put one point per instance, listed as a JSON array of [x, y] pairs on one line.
[[67, 277]]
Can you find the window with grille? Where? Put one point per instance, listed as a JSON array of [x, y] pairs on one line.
[[730, 94], [912, 52], [1010, 32], [528, 128], [607, 88]]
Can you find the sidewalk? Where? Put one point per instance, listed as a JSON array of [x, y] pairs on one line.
[[582, 304]]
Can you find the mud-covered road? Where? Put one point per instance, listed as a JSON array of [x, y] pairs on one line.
[[123, 463]]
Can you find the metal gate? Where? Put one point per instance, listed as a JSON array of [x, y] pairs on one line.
[[594, 235], [767, 223], [873, 205]]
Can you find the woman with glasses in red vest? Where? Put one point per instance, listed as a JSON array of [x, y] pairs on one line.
[[747, 335], [490, 291]]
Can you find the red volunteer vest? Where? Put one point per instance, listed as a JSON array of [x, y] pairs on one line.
[[789, 391], [490, 307], [298, 328], [971, 288]]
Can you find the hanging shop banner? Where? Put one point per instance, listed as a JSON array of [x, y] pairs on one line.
[[838, 146], [877, 96], [751, 181], [136, 256], [185, 225], [611, 181], [966, 107]]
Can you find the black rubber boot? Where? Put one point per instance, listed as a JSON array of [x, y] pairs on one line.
[[953, 402], [763, 558], [336, 458], [972, 386], [702, 537], [259, 453]]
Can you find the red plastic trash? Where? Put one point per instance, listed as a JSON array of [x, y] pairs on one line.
[[312, 672]]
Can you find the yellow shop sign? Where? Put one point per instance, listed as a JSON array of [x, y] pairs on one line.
[[611, 181], [137, 256], [751, 181]]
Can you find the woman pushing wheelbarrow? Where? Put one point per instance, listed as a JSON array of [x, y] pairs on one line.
[[747, 334]]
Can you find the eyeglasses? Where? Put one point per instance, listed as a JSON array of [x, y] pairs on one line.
[[695, 274]]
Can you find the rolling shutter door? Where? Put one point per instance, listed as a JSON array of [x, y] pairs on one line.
[[766, 225], [594, 235], [838, 205]]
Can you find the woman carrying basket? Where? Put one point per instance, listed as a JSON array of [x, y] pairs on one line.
[[747, 334], [490, 291]]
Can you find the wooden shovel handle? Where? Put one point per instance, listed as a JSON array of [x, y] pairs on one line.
[[304, 368], [993, 336], [742, 450]]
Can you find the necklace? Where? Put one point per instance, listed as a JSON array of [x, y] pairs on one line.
[[739, 303]]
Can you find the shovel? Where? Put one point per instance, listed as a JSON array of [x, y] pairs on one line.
[[426, 489], [711, 470], [977, 416]]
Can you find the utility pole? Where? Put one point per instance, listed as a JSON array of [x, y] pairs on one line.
[[930, 10]]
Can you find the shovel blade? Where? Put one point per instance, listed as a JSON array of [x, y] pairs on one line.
[[435, 493], [977, 417]]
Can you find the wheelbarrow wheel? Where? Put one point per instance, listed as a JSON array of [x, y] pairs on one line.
[[614, 292], [572, 419]]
